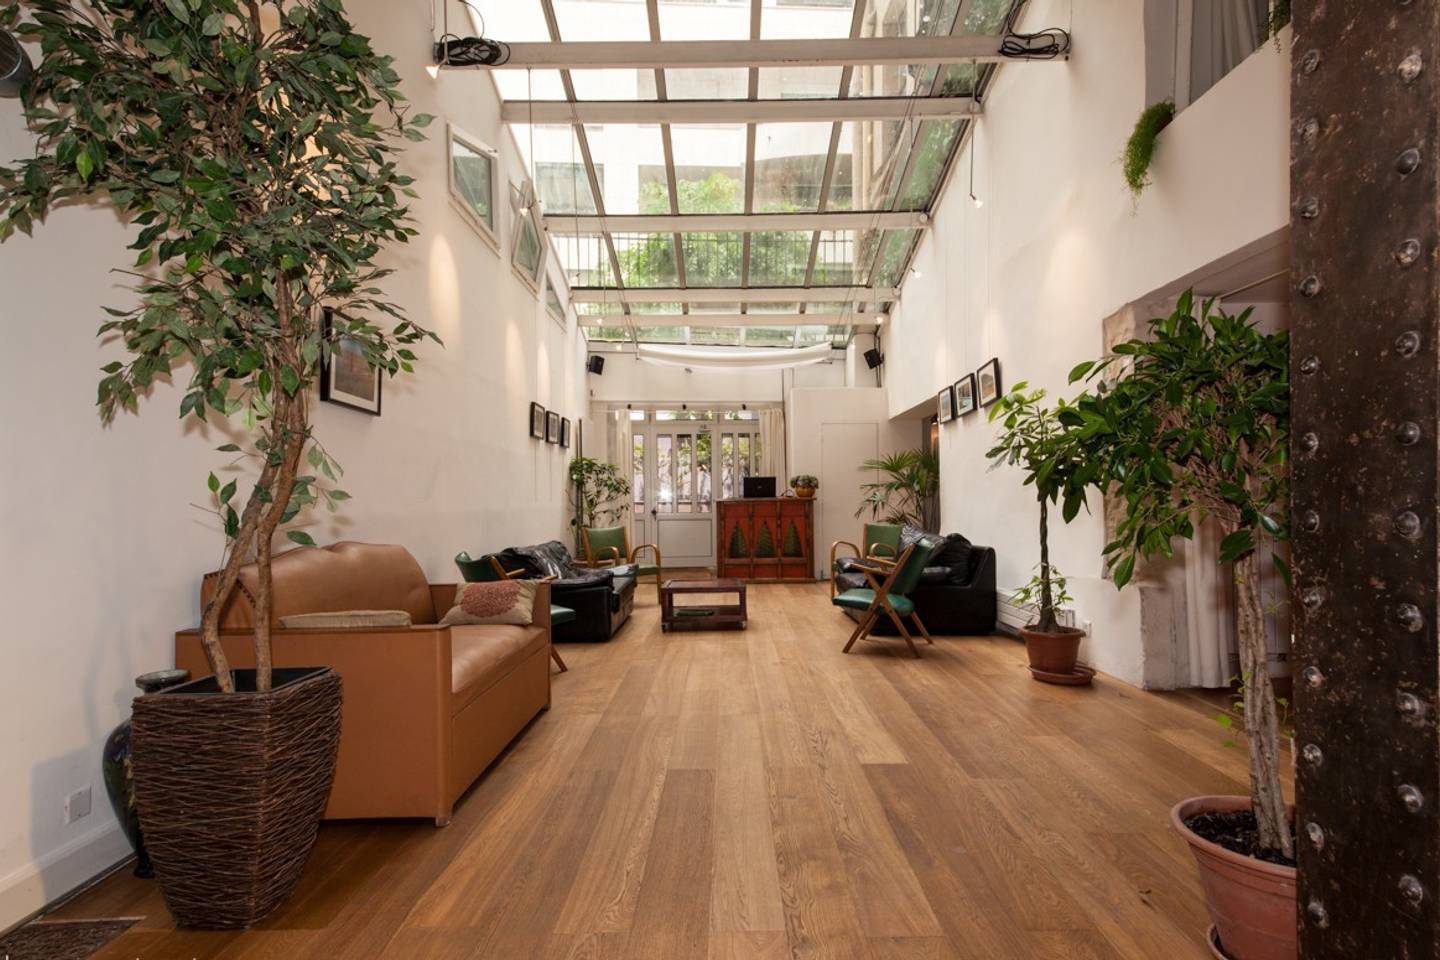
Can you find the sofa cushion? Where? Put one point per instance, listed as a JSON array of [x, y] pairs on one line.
[[344, 576], [481, 655], [346, 620], [953, 551], [495, 602]]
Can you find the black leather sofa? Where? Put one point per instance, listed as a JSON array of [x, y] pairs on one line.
[[956, 595], [602, 599]]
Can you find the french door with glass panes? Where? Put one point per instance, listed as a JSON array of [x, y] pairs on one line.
[[683, 461]]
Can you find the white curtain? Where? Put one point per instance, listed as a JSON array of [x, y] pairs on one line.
[[1210, 609], [1224, 33], [772, 444]]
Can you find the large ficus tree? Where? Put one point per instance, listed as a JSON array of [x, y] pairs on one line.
[[251, 145], [1193, 422]]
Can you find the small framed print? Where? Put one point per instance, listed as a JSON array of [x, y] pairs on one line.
[[946, 407], [965, 402], [987, 382], [552, 427], [565, 432], [346, 377], [537, 421]]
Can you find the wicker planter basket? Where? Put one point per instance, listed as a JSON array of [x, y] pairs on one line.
[[231, 787]]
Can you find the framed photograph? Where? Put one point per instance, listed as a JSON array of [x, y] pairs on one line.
[[565, 432], [552, 427], [537, 421], [987, 382], [946, 408], [346, 378], [965, 402]]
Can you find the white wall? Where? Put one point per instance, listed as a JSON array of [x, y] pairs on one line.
[[1059, 245], [829, 416], [103, 551]]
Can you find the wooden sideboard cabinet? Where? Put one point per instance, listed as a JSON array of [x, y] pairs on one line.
[[771, 538]]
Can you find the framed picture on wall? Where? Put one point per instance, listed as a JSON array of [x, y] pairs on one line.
[[565, 432], [945, 410], [552, 427], [537, 421], [346, 377], [987, 384], [965, 402]]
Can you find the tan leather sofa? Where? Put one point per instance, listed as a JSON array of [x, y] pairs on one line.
[[426, 708]]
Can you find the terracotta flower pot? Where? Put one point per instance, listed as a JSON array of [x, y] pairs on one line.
[[1052, 653], [805, 493], [1252, 902]]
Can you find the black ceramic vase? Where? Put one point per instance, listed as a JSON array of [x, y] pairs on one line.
[[119, 783]]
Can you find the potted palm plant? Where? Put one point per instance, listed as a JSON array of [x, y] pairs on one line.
[[251, 145], [905, 494], [1194, 423], [1030, 438]]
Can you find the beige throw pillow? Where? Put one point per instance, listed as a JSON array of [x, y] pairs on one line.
[[346, 620], [501, 601]]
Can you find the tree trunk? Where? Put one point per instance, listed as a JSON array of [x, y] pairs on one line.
[[1047, 623], [1262, 724]]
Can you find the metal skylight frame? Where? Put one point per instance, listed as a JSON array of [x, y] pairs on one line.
[[924, 107]]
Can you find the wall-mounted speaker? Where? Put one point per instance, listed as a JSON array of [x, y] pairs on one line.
[[873, 358], [14, 66], [595, 364]]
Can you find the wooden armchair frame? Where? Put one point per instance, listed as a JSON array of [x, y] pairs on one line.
[[598, 559], [882, 604]]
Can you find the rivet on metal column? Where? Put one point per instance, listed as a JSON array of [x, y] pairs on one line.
[[1365, 325]]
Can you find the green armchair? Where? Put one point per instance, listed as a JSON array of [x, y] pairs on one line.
[[890, 597], [610, 547], [882, 545]]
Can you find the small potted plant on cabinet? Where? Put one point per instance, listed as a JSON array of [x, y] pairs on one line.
[[1197, 426], [1030, 438], [256, 161], [805, 485]]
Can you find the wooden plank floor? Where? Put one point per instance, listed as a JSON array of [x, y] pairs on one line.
[[758, 795]]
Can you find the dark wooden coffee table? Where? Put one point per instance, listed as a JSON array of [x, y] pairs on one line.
[[702, 616]]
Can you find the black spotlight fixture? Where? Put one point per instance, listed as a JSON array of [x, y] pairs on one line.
[[14, 66], [596, 365], [873, 358]]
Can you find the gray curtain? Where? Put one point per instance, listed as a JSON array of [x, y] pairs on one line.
[[1224, 32]]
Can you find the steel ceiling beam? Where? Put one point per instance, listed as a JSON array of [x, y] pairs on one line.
[[735, 222], [738, 111], [735, 295], [745, 54]]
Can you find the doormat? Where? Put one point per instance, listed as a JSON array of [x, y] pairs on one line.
[[61, 939]]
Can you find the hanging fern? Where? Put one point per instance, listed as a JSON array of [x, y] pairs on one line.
[[1279, 18], [1140, 148]]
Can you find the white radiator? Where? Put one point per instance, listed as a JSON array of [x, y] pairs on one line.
[[1012, 616]]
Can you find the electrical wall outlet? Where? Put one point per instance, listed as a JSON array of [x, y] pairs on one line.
[[77, 805], [1088, 626]]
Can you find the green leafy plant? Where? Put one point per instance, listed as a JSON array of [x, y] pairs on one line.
[[805, 480], [1278, 19], [1030, 438], [1195, 423], [602, 492], [253, 150], [1140, 148], [906, 493]]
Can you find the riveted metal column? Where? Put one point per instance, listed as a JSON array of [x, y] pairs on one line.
[[1365, 320]]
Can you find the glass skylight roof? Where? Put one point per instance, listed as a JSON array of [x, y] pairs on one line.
[[677, 167]]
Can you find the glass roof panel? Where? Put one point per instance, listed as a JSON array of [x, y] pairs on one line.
[[515, 22], [653, 308], [647, 259], [932, 154], [789, 166], [769, 336], [560, 177], [876, 152], [598, 309], [713, 20], [585, 260], [880, 80], [595, 19], [894, 253], [959, 80], [710, 168], [775, 308], [915, 18], [808, 336], [707, 83], [779, 259], [704, 308], [986, 16], [798, 83], [713, 259], [633, 160], [661, 334], [610, 332], [534, 85], [715, 336], [835, 259], [610, 84], [806, 19]]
